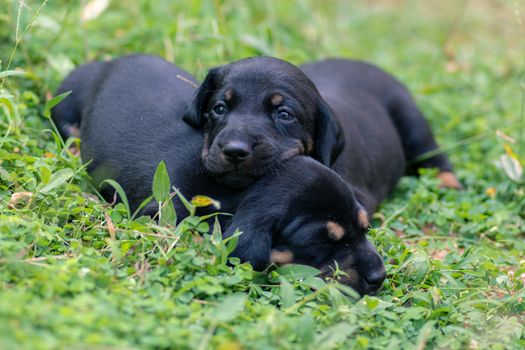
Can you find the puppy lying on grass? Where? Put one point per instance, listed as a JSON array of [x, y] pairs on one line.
[[307, 215], [241, 125]]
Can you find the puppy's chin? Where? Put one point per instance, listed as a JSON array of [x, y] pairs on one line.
[[236, 180]]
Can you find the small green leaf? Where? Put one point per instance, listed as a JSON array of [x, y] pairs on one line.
[[334, 335], [203, 227], [315, 282], [142, 205], [53, 102], [167, 214], [371, 302], [120, 192], [297, 271], [231, 242], [58, 179], [415, 313], [287, 293], [45, 174], [229, 308], [187, 204], [161, 183], [363, 341]]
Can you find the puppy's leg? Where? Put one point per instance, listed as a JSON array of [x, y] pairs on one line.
[[417, 138], [67, 114]]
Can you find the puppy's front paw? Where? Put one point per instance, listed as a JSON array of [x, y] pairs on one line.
[[281, 257], [449, 180]]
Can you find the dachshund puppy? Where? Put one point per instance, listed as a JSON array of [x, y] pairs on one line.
[[128, 113], [349, 115], [311, 216], [256, 113]]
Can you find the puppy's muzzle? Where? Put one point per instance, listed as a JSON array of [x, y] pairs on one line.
[[370, 266], [236, 152]]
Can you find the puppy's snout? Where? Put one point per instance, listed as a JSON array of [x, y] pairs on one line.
[[236, 152], [376, 276], [370, 265]]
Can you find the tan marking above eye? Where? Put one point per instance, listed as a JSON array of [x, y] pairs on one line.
[[228, 95], [281, 257], [276, 99], [335, 231], [362, 218]]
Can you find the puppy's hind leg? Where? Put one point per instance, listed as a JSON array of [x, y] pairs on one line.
[[417, 138], [67, 114]]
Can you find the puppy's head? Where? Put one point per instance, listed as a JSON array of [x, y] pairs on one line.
[[326, 228], [257, 113]]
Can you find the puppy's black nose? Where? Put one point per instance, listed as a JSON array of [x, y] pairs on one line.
[[236, 151], [376, 277]]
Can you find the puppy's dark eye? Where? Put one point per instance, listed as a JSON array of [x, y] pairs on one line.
[[220, 109], [285, 116]]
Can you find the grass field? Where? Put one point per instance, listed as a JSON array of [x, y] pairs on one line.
[[76, 273]]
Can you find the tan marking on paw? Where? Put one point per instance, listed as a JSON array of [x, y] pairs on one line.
[[335, 231], [228, 95], [362, 218], [277, 99], [281, 257], [74, 131], [449, 180]]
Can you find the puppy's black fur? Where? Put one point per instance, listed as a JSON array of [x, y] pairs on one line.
[[129, 115], [129, 112], [383, 129], [256, 115], [311, 216]]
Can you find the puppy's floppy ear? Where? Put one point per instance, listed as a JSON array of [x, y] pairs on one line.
[[328, 139], [194, 114]]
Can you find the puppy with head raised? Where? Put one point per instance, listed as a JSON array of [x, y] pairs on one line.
[[307, 215], [349, 115], [257, 113], [129, 115]]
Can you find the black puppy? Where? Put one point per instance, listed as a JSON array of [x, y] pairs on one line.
[[383, 129], [128, 113], [258, 112], [349, 115], [310, 216]]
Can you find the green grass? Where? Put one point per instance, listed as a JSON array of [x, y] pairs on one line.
[[76, 273]]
